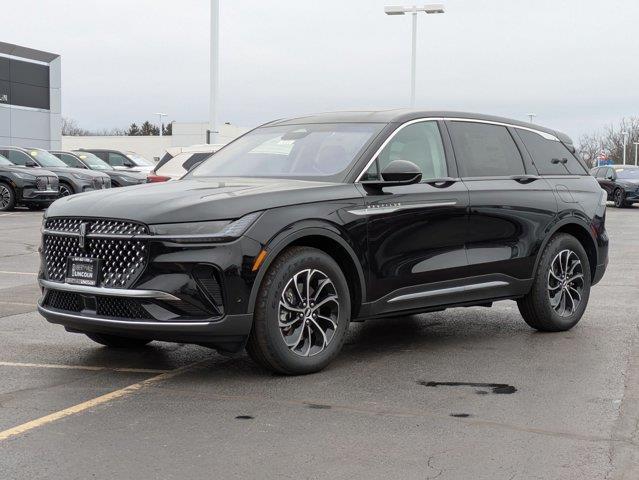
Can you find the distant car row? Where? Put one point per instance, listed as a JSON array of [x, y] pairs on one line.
[[34, 178], [621, 183]]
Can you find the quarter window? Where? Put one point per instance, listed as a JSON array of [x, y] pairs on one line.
[[419, 143], [549, 155], [485, 150]]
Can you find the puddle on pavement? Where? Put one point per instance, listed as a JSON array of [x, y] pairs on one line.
[[497, 388]]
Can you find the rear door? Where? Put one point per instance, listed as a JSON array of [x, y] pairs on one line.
[[510, 206], [416, 233]]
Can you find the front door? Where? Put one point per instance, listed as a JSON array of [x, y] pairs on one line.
[[416, 233]]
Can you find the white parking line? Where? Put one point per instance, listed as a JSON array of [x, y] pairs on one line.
[[83, 367], [17, 273], [81, 407], [19, 303]]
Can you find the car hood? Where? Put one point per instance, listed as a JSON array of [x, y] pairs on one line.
[[66, 171], [195, 200], [127, 174], [35, 172], [629, 181]]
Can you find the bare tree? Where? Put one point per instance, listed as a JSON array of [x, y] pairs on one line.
[[71, 128], [611, 141]]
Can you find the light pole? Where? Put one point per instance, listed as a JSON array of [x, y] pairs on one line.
[[636, 144], [161, 123], [215, 63], [531, 116], [414, 9], [625, 145]]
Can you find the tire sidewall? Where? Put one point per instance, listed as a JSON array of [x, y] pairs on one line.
[[619, 193], [559, 243], [283, 272]]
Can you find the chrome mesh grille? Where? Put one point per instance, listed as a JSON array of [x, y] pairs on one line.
[[122, 260], [101, 182], [47, 183]]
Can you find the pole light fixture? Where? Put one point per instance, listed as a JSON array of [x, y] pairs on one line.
[[413, 10], [636, 144], [625, 145], [531, 117], [161, 122]]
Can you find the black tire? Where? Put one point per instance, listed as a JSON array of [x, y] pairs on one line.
[[115, 341], [65, 189], [537, 306], [619, 197], [267, 345], [7, 197]]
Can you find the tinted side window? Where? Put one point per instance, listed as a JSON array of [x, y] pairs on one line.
[[70, 160], [485, 150], [601, 173], [420, 143], [545, 151], [117, 160], [17, 157]]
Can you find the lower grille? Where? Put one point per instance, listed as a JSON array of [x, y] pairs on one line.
[[70, 302], [110, 307]]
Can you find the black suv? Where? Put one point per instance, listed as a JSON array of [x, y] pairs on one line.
[[72, 180], [621, 183], [35, 190], [301, 226]]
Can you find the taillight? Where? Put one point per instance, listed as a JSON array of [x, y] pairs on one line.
[[153, 178]]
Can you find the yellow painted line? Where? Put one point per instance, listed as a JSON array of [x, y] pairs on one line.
[[81, 407], [17, 273], [83, 367]]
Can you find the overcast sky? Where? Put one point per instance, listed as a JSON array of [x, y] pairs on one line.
[[572, 62]]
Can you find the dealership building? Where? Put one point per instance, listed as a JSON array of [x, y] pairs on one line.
[[30, 95]]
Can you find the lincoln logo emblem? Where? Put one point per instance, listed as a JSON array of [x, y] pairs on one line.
[[82, 240]]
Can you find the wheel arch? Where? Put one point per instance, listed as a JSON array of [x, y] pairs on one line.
[[581, 231], [329, 241]]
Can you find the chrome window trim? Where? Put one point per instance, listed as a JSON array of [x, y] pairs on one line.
[[110, 292], [545, 135]]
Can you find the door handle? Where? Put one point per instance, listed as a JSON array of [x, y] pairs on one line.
[[525, 178], [442, 182], [556, 161]]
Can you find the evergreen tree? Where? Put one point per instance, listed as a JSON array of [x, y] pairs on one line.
[[133, 130]]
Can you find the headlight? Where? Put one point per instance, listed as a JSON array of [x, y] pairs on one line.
[[198, 232], [81, 176], [25, 176]]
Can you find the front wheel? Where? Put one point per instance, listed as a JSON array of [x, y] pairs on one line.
[[302, 313], [561, 287], [619, 198], [115, 341], [7, 198], [65, 190]]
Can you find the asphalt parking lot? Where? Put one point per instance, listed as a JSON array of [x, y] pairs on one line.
[[462, 394]]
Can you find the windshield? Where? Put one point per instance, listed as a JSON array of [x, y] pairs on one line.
[[627, 173], [306, 151], [138, 160], [4, 161], [93, 162], [46, 159]]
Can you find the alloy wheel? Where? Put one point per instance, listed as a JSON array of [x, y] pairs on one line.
[[565, 282], [64, 191], [618, 199], [5, 197], [308, 312]]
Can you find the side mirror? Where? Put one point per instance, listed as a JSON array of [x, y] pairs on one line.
[[398, 172], [610, 176]]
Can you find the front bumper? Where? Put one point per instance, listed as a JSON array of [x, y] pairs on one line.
[[171, 299]]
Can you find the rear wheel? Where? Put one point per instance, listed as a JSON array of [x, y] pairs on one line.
[[115, 341], [301, 314], [561, 288], [7, 198]]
